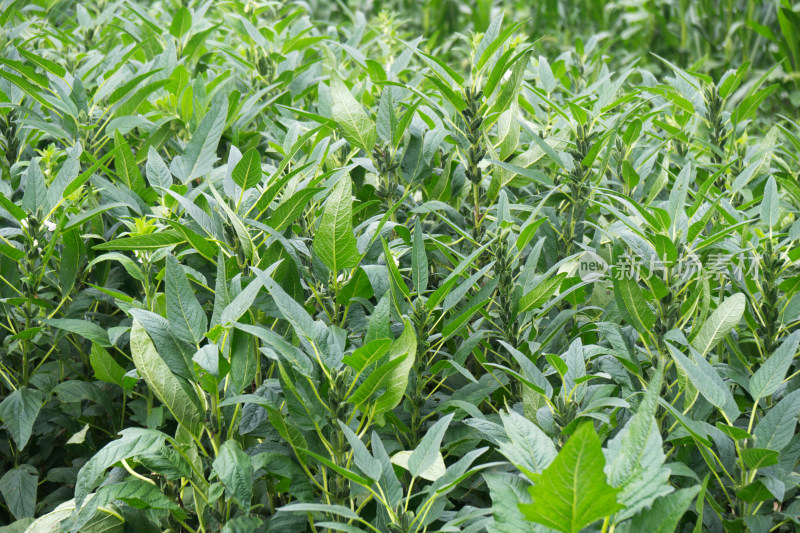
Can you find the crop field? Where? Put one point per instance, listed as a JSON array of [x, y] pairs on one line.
[[391, 266]]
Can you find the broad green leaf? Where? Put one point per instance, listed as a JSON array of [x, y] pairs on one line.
[[636, 458], [132, 442], [182, 403], [106, 520], [35, 194], [334, 241], [18, 487], [354, 122], [664, 515], [291, 208], [508, 491], [720, 323], [756, 458], [105, 367], [404, 350], [386, 117], [235, 469], [184, 312], [770, 375], [776, 430], [529, 448], [572, 492], [18, 411]]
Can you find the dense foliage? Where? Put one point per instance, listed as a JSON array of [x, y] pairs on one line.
[[402, 267]]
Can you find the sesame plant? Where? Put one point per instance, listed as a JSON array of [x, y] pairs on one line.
[[399, 267]]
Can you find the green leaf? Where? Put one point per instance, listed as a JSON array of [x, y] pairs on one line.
[[182, 403], [705, 379], [18, 487], [386, 117], [508, 491], [769, 377], [201, 153], [528, 448], [720, 323], [291, 208], [181, 23], [364, 460], [84, 328], [247, 172], [776, 430], [770, 204], [572, 492], [756, 458], [664, 515], [128, 171], [105, 367], [157, 172], [427, 451], [636, 457], [235, 469], [133, 441], [18, 411], [356, 126], [632, 305], [150, 241], [35, 194], [541, 293], [337, 510], [334, 241], [184, 312], [419, 260], [404, 350], [243, 301]]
